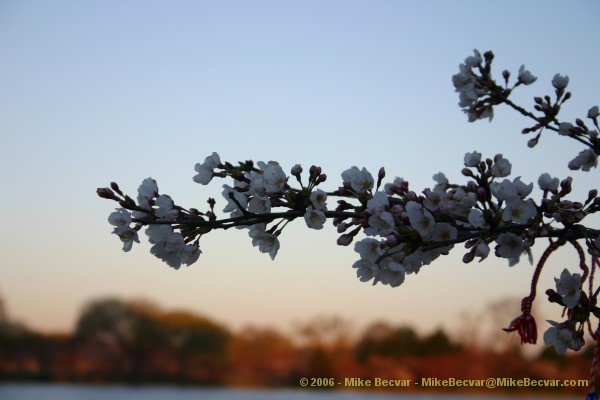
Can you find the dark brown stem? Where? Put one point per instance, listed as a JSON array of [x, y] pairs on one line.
[[582, 263]]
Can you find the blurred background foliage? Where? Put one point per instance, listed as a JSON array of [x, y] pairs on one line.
[[137, 341]]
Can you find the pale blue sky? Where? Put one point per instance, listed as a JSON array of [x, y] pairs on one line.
[[97, 91]]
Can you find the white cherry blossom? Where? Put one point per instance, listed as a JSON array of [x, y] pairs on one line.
[[585, 160], [565, 128], [190, 254], [474, 60], [420, 220], [561, 338], [444, 232], [509, 245], [165, 209], [525, 76], [569, 287], [560, 82], [482, 250], [273, 175], [360, 180], [204, 174], [381, 224], [259, 205], [518, 211], [231, 206], [266, 242], [391, 273], [502, 191], [318, 198], [206, 169], [314, 218], [170, 250], [257, 184], [369, 249], [523, 190], [472, 159], [476, 218], [414, 261], [378, 203], [501, 167], [121, 217], [158, 233], [434, 199], [366, 270], [127, 236], [548, 183], [148, 190], [441, 181]]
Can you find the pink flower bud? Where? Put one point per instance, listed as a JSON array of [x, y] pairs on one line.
[[321, 178], [106, 193], [345, 240], [392, 239], [342, 227]]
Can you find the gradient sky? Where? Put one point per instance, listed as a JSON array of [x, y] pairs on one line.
[[100, 91]]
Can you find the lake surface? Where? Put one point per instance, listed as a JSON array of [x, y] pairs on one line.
[[116, 392]]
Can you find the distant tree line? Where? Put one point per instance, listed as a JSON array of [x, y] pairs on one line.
[[139, 342]]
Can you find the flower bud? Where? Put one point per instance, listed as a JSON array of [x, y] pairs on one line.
[[471, 242], [344, 205], [488, 56], [321, 178], [567, 204], [565, 185], [314, 172], [341, 228], [467, 258], [560, 82], [380, 176], [472, 186], [296, 170], [106, 193], [533, 142], [392, 239], [115, 187], [554, 297], [345, 240]]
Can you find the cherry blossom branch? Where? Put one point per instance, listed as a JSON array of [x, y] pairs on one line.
[[246, 219], [406, 230]]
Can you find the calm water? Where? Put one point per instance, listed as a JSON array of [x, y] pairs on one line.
[[84, 392]]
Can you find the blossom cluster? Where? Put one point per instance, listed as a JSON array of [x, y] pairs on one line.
[[168, 245], [479, 93], [402, 231]]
